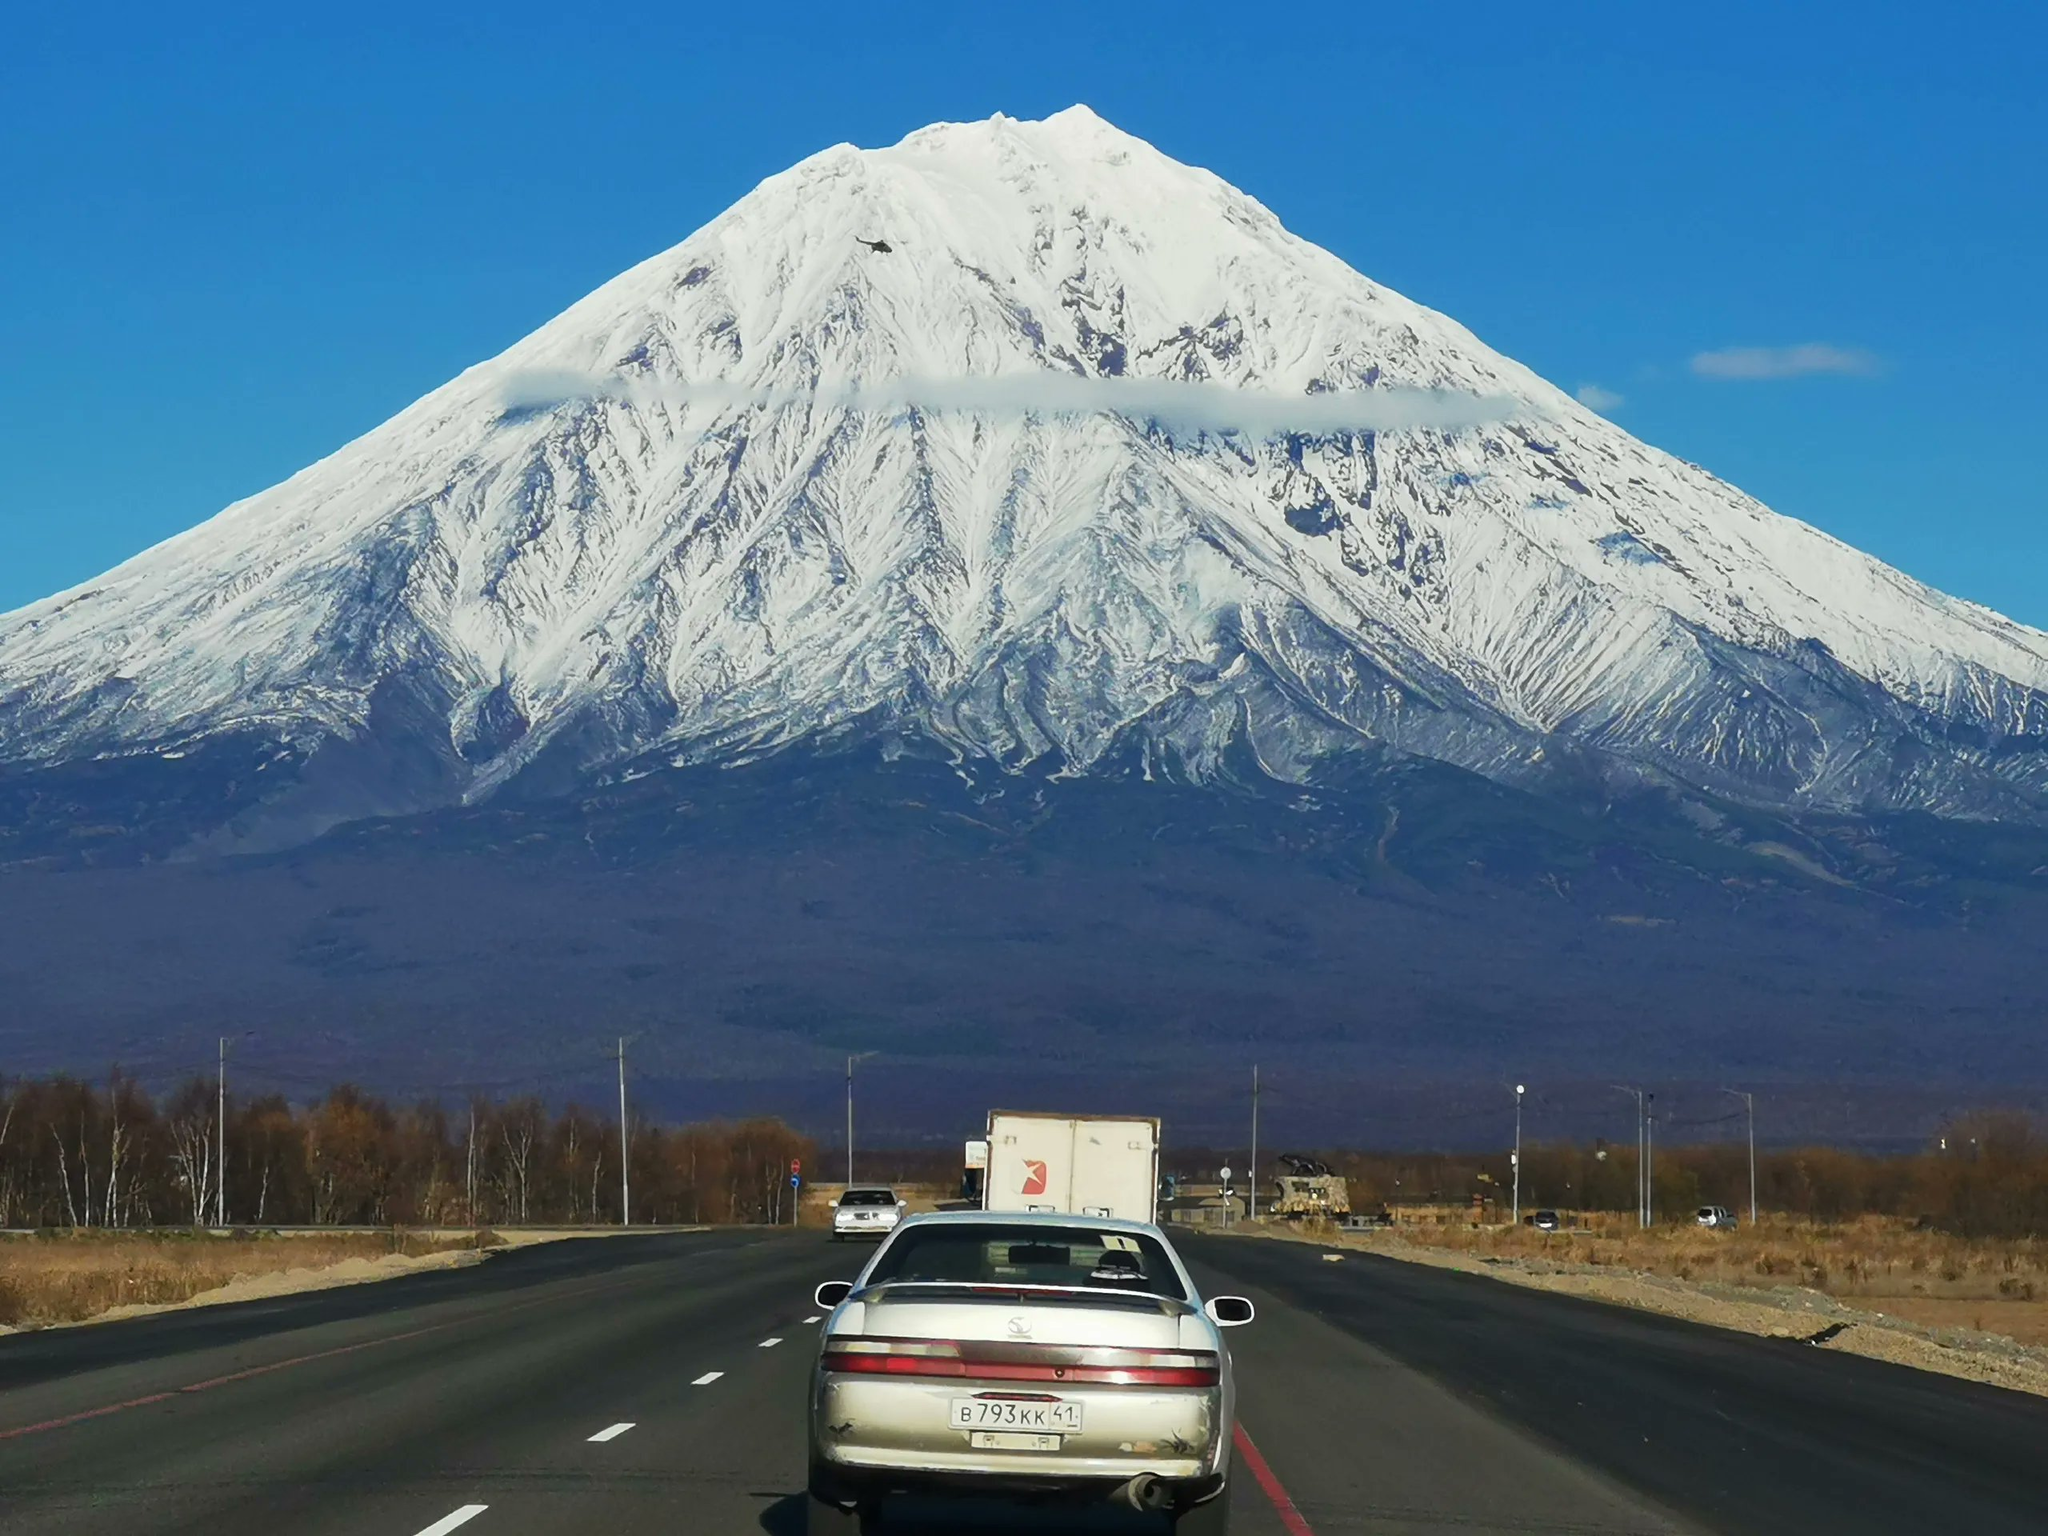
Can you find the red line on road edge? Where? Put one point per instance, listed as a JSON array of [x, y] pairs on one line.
[[277, 1365], [217, 1381], [1270, 1485]]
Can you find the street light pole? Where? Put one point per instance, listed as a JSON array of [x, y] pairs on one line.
[[1649, 1159], [625, 1161], [1519, 1090], [1642, 1209], [862, 1056], [1749, 1105], [220, 1134], [1253, 1175], [220, 1127]]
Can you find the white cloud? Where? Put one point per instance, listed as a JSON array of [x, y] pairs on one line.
[[1190, 407], [1785, 362], [1593, 397]]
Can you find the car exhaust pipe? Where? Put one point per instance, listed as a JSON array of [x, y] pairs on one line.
[[1144, 1492]]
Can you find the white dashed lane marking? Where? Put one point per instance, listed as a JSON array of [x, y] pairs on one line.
[[609, 1434], [812, 1319], [447, 1523], [707, 1378], [768, 1343]]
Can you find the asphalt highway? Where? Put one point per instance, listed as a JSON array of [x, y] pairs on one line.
[[655, 1384]]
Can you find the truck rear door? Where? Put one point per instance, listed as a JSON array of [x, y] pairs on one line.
[[1116, 1169], [1030, 1163]]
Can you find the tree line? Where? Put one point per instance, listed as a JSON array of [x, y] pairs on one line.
[[75, 1153], [1986, 1176]]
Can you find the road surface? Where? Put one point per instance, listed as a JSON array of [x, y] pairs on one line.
[[654, 1384]]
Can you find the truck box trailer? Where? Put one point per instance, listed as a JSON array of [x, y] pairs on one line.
[[1090, 1165]]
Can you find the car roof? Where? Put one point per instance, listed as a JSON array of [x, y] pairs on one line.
[[869, 1189], [1033, 1219]]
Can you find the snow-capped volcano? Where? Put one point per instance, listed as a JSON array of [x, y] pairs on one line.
[[1023, 440]]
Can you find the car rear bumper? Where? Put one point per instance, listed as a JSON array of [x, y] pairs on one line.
[[882, 1228], [895, 1435], [849, 1485]]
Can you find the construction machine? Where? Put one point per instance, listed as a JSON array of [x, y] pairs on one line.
[[1310, 1190]]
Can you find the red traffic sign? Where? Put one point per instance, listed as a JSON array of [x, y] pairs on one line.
[[796, 1165]]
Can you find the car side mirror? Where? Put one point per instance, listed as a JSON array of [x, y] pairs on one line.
[[832, 1292], [1229, 1311]]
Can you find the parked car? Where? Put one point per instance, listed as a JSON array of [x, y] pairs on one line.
[[866, 1212], [1545, 1221], [1716, 1216], [1042, 1356]]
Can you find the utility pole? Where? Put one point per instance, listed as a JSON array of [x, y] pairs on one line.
[[1749, 1104], [1519, 1090], [625, 1180], [220, 1127], [1254, 1174]]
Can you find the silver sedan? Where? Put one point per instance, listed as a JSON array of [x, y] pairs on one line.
[[1035, 1356], [866, 1211]]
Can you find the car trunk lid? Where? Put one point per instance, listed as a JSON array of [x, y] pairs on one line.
[[1022, 1334]]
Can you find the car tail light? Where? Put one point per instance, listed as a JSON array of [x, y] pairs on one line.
[[992, 1360]]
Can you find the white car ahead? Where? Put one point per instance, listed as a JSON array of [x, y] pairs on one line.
[[870, 1211], [1028, 1355]]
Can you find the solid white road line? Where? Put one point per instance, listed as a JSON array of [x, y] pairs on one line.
[[707, 1378], [462, 1516], [609, 1434], [768, 1343]]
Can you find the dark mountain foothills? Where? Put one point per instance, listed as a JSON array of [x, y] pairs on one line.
[[1007, 932]]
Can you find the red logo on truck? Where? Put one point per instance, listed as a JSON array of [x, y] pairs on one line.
[[1034, 1177]]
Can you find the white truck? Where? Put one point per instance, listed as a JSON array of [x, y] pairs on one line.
[[1086, 1165]]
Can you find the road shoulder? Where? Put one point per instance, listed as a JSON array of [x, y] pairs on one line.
[[1780, 1312]]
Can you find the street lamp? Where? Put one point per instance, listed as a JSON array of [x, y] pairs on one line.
[[1649, 1159], [1519, 1091], [1642, 1196], [625, 1148], [220, 1131], [1749, 1104], [1252, 1177], [862, 1056]]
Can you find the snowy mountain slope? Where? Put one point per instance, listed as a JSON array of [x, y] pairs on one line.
[[776, 487]]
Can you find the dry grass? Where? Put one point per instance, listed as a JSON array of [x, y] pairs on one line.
[[67, 1277], [1880, 1264]]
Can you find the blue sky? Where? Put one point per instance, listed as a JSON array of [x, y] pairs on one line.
[[234, 240]]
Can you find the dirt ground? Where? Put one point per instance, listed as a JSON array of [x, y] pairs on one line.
[[2023, 1321], [50, 1280]]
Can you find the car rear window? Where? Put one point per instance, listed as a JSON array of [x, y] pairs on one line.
[[997, 1253], [868, 1197]]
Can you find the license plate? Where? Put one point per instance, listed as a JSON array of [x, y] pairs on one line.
[[971, 1413], [1011, 1440]]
